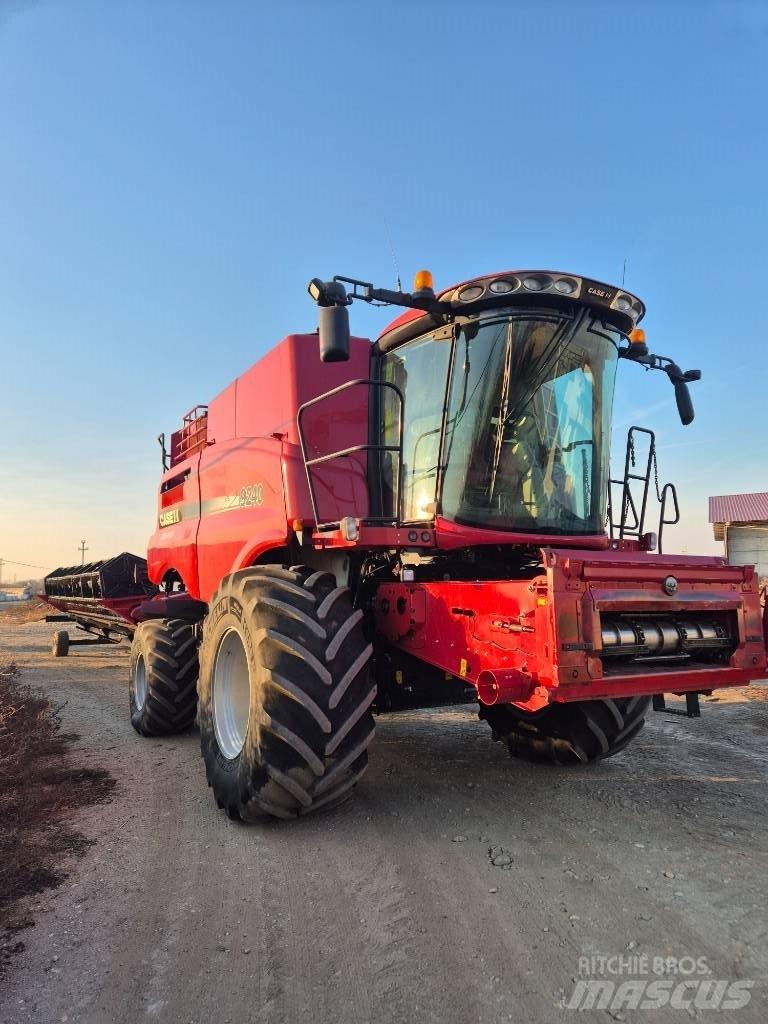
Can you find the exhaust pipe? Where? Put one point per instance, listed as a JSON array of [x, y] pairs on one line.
[[504, 686]]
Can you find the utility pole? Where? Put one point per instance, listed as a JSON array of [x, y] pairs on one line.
[[83, 549], [1, 571]]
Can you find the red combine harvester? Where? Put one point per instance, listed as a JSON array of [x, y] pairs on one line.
[[405, 521]]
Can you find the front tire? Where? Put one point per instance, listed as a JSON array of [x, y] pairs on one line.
[[567, 734], [285, 693], [163, 668]]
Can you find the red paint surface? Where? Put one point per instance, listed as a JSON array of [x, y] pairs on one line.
[[239, 496]]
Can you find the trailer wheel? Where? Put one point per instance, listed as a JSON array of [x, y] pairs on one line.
[[564, 734], [163, 672], [285, 693], [60, 646]]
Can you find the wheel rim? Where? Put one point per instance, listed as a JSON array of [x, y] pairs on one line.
[[231, 694], [140, 682]]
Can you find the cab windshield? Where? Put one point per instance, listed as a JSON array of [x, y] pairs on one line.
[[508, 427], [527, 430]]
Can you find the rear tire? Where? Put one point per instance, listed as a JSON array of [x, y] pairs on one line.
[[163, 673], [285, 693], [60, 646], [567, 734]]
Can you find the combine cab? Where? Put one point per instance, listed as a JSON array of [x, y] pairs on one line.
[[99, 597]]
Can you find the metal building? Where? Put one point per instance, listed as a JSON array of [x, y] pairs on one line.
[[741, 522]]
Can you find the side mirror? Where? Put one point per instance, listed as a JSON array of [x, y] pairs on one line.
[[682, 394], [334, 334], [684, 403]]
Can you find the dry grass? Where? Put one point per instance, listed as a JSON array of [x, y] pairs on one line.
[[33, 610], [39, 789]]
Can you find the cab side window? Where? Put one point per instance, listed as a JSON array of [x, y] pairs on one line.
[[420, 370]]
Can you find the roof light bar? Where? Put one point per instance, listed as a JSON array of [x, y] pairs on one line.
[[536, 282]]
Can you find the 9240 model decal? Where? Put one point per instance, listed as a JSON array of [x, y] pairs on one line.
[[251, 494]]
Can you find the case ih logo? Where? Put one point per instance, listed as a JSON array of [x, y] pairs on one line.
[[598, 291], [170, 517]]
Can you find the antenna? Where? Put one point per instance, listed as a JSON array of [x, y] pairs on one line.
[[398, 282], [83, 549], [624, 272]]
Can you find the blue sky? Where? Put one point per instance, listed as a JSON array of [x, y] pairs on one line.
[[173, 173]]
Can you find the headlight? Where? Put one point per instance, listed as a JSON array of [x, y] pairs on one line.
[[502, 287], [565, 286], [536, 284]]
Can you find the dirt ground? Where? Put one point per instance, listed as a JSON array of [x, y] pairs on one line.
[[40, 788], [389, 909]]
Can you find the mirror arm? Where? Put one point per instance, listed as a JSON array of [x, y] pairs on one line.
[[680, 379], [366, 292], [654, 362]]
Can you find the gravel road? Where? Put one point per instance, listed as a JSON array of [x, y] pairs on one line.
[[390, 909]]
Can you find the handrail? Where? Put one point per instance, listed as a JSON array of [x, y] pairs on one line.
[[644, 478], [671, 489], [665, 495], [309, 463], [628, 505]]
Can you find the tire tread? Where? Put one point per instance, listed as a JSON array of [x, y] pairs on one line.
[[308, 746], [169, 648], [562, 734]]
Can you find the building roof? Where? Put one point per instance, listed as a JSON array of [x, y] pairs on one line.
[[739, 508]]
